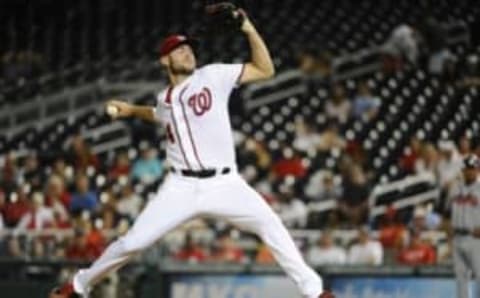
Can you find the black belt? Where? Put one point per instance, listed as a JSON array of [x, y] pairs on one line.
[[462, 232], [202, 173]]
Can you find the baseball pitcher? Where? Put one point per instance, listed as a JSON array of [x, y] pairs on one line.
[[203, 179], [465, 204]]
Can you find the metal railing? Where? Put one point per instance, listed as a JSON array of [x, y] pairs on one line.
[[432, 193], [42, 111]]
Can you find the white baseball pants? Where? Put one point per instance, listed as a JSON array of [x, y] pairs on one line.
[[227, 197]]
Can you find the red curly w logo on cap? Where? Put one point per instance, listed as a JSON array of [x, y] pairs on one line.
[[201, 102]]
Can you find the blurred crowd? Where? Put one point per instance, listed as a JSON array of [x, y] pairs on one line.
[[413, 45], [77, 194], [70, 205]]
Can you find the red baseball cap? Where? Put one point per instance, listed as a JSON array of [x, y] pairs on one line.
[[172, 42]]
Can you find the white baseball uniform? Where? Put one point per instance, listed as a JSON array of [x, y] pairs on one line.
[[195, 114]]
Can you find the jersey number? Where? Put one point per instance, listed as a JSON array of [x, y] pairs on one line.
[[201, 102]]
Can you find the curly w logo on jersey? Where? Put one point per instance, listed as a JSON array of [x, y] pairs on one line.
[[201, 102]]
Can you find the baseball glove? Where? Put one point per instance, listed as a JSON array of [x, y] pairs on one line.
[[223, 17]]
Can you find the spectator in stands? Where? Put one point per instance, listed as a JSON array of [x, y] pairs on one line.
[[356, 153], [265, 187], [365, 104], [476, 149], [249, 173], [419, 221], [121, 167], [95, 239], [449, 171], [264, 255], [424, 218], [57, 194], [39, 217], [306, 140], [330, 139], [403, 44], [465, 145], [83, 156], [262, 157], [315, 67], [365, 251], [469, 76], [109, 218], [37, 248], [9, 173], [392, 231], [353, 206], [322, 186], [418, 252], [439, 62], [191, 252], [307, 62], [292, 210], [410, 156], [84, 198], [32, 173], [60, 220], [148, 167], [130, 203], [62, 170], [435, 37], [16, 207], [290, 164], [338, 108], [14, 247], [324, 66], [227, 251], [78, 248], [326, 252], [428, 160], [449, 165]]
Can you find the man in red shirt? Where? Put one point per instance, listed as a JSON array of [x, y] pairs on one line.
[[121, 166], [392, 231], [410, 156], [228, 251], [15, 208], [289, 164], [418, 252], [85, 246], [191, 252]]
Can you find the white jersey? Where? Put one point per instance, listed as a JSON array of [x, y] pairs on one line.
[[195, 114]]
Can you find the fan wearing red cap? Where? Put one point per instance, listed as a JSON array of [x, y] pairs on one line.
[[203, 178]]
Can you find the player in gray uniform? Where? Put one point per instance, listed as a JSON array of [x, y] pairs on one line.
[[465, 204]]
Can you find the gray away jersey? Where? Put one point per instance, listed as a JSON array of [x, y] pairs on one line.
[[465, 204]]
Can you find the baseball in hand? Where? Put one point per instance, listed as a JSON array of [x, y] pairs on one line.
[[112, 110]]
